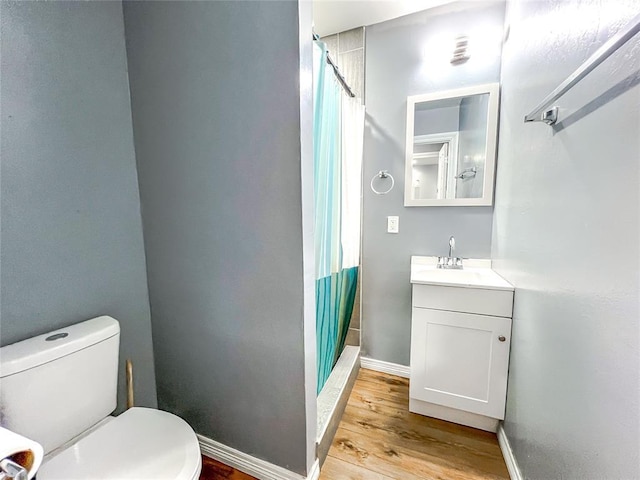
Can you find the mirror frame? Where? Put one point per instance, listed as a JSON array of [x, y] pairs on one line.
[[493, 89]]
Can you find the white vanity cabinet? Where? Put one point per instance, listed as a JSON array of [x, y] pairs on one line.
[[460, 339]]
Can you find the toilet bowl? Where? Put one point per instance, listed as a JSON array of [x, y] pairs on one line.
[[142, 443], [59, 389]]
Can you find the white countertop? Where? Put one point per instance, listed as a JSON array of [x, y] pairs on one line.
[[476, 273]]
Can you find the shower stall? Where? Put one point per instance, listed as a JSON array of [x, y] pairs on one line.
[[338, 140]]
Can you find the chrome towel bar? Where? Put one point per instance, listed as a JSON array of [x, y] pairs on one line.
[[545, 111]]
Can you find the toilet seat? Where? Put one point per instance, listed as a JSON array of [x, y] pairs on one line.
[[140, 444]]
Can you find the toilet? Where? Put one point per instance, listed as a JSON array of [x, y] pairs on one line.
[[59, 389]]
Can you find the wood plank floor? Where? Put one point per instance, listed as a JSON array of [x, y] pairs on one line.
[[214, 470], [378, 439]]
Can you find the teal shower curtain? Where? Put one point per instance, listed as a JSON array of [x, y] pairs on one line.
[[336, 273]]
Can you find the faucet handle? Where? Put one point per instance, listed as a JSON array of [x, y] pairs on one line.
[[448, 263]]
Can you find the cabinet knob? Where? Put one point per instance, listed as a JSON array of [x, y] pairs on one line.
[[502, 338]]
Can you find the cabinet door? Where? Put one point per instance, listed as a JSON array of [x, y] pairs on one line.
[[460, 360]]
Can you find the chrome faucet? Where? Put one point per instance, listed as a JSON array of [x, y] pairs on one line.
[[450, 261], [12, 470]]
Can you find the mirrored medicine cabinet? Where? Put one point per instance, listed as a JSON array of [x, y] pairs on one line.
[[451, 147]]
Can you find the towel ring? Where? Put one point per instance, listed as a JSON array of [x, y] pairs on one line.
[[382, 174]]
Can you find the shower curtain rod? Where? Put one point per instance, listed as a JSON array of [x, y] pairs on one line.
[[337, 73]]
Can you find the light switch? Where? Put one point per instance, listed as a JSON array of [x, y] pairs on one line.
[[393, 224]]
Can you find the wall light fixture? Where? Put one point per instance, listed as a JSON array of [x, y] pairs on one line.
[[460, 50]]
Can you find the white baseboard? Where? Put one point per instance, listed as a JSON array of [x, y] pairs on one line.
[[385, 367], [507, 453], [261, 469]]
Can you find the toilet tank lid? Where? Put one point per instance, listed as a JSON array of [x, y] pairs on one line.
[[30, 353]]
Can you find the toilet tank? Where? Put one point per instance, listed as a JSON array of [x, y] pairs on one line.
[[55, 386]]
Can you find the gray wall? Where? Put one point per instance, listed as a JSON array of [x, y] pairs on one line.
[[217, 119], [566, 234], [72, 243], [436, 120], [394, 70], [472, 144]]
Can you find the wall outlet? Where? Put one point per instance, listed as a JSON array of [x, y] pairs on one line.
[[393, 224]]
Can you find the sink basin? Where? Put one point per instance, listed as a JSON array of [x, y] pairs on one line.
[[476, 273]]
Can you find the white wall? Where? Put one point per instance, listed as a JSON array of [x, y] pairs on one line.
[[566, 234]]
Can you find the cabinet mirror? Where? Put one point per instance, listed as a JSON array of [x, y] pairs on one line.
[[451, 147]]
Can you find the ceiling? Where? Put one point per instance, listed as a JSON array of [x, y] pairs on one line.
[[333, 16]]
